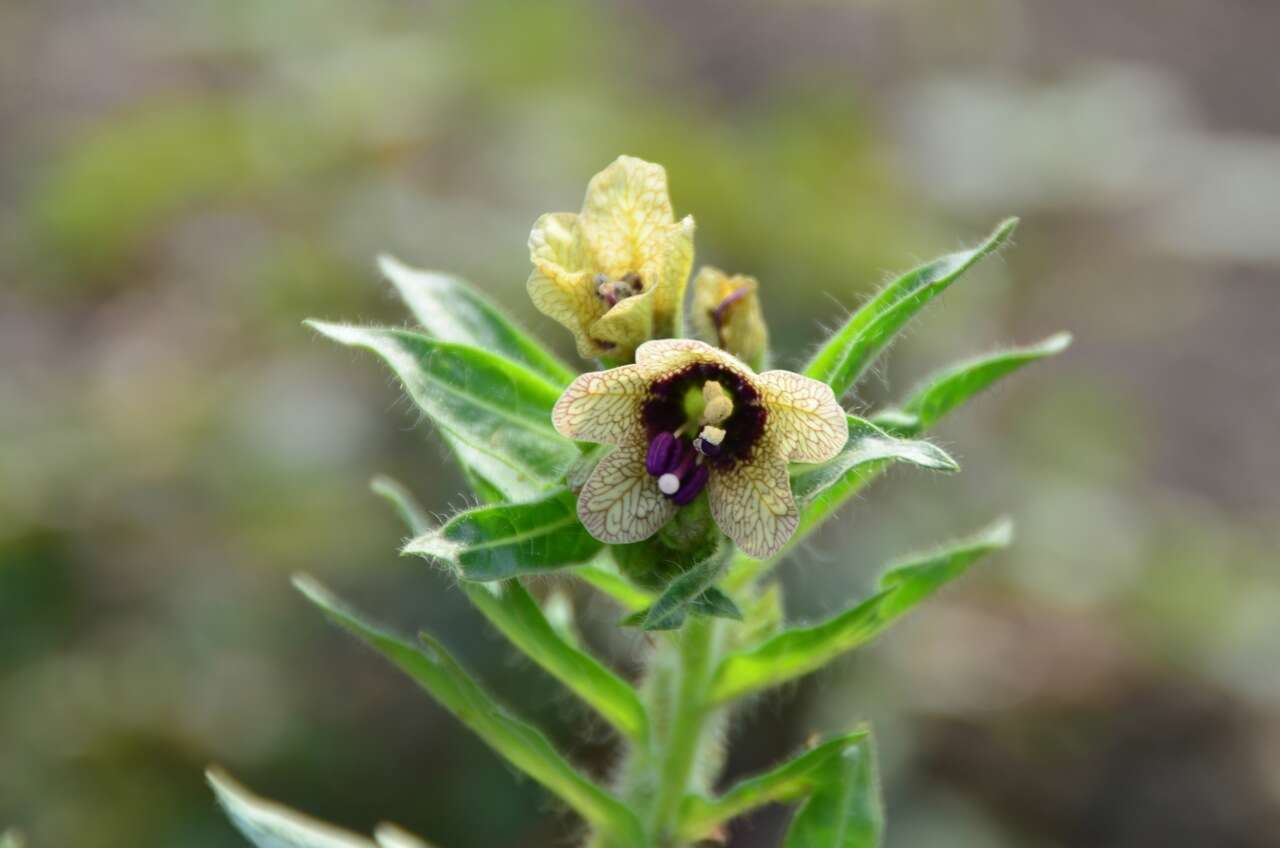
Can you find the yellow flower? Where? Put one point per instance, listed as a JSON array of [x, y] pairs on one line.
[[615, 273], [726, 313], [685, 417]]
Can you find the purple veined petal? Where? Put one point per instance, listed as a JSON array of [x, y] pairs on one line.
[[691, 486]]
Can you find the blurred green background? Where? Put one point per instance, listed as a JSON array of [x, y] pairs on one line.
[[182, 183]]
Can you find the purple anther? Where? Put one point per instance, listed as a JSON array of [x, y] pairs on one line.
[[706, 448], [664, 454], [685, 465], [691, 486]]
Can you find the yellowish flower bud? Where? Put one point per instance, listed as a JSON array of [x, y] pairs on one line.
[[726, 313], [615, 273]]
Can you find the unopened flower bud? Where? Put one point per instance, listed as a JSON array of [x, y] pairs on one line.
[[726, 313]]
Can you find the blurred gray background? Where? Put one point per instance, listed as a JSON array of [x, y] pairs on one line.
[[182, 183]]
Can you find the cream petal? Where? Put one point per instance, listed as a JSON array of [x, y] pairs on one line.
[[555, 242], [560, 287], [603, 406], [668, 265], [752, 504], [626, 215], [628, 322], [806, 420], [662, 355], [620, 502]]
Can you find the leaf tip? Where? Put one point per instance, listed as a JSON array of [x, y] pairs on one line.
[[312, 590], [387, 835], [433, 545], [1057, 343], [230, 793], [338, 332], [1000, 532], [217, 777], [1004, 230], [390, 266]]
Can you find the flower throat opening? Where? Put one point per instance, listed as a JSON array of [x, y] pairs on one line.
[[701, 417]]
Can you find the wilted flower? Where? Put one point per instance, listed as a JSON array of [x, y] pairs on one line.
[[726, 313], [615, 273], [688, 417]]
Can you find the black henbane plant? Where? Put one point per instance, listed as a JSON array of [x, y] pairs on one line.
[[672, 481]]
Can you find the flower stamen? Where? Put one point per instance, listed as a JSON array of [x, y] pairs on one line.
[[611, 291], [679, 469], [709, 440], [665, 453], [719, 406]]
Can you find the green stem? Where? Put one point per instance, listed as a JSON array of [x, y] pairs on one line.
[[686, 722]]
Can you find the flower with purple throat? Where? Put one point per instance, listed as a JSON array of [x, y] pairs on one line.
[[688, 418]]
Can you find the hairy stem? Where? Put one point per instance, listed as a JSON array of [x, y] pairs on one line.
[[688, 717], [683, 753]]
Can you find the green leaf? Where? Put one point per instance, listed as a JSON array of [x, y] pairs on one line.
[[515, 613], [946, 390], [267, 824], [855, 346], [506, 540], [845, 810], [764, 616], [821, 489], [394, 492], [668, 612], [497, 411], [557, 608], [714, 603], [867, 444], [786, 783], [451, 310], [390, 836], [432, 668], [798, 651]]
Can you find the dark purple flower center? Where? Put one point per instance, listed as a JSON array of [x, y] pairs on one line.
[[682, 450], [665, 412]]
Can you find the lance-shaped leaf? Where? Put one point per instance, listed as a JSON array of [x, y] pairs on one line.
[[432, 668], [867, 443], [798, 651], [821, 489], [498, 410], [511, 609], [855, 346], [506, 540], [267, 824], [845, 810], [946, 390], [515, 613], [692, 590], [451, 310], [789, 782], [743, 569]]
